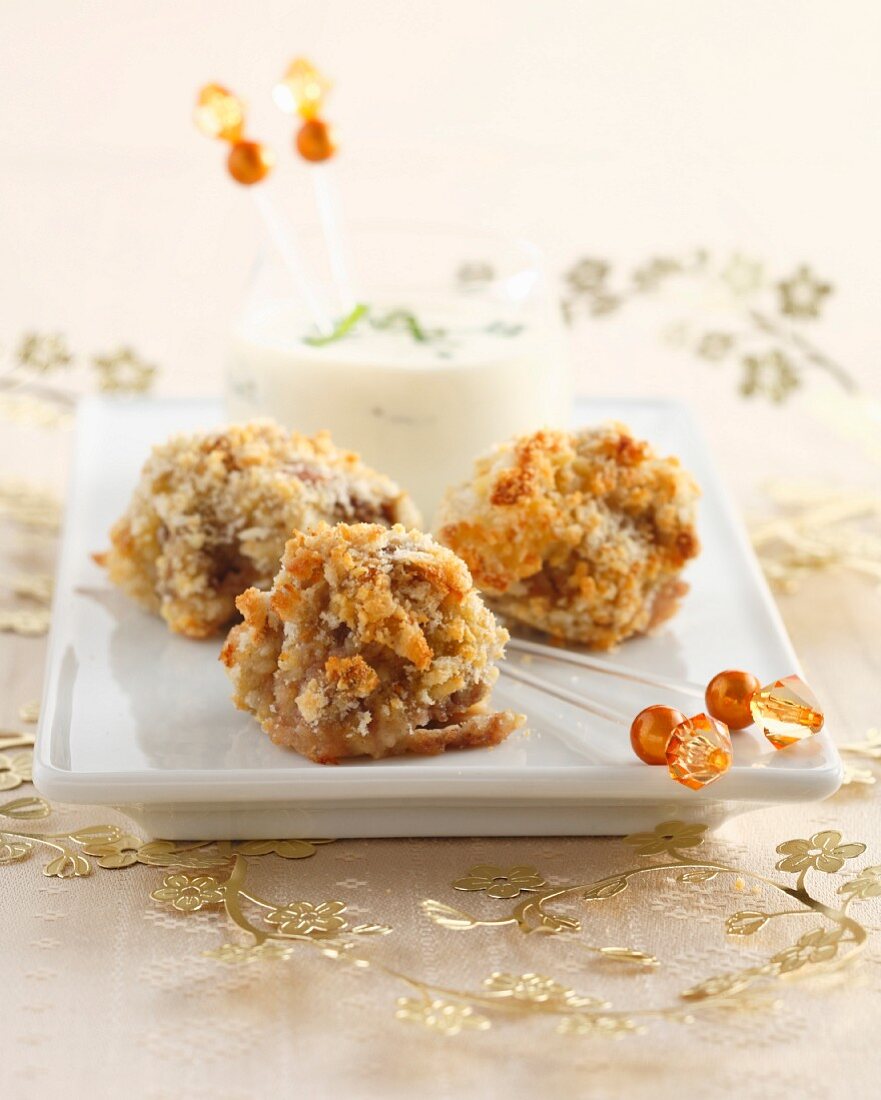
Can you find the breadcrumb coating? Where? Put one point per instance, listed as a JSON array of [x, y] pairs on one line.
[[579, 534], [211, 513], [372, 642]]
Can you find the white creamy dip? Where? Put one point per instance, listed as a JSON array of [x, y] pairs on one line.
[[419, 410]]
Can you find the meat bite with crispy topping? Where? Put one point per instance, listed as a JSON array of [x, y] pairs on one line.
[[212, 512], [580, 534], [372, 642]]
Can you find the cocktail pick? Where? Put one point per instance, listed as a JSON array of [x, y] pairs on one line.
[[696, 750], [787, 710], [220, 114], [302, 90]]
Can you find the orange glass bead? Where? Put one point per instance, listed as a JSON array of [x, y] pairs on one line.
[[650, 731], [788, 711], [219, 114], [301, 89], [699, 751], [728, 697], [314, 141], [249, 162]]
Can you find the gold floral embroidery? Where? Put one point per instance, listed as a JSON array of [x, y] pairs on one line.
[[29, 623], [668, 837], [818, 946], [743, 275], [538, 989], [439, 1009], [189, 894], [774, 355], [609, 1027], [824, 852], [588, 276], [123, 371], [15, 769], [802, 294], [304, 919], [853, 776], [237, 953], [867, 884], [442, 1017], [43, 352], [746, 923], [714, 346], [287, 849], [498, 883], [30, 711], [819, 528], [772, 373]]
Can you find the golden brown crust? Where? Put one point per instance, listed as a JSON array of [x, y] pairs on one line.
[[211, 513], [372, 642], [580, 534]]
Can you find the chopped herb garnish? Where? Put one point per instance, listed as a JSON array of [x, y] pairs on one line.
[[342, 328], [408, 321], [405, 321]]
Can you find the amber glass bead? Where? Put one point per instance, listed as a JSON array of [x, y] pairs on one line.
[[728, 697], [249, 162], [314, 141], [650, 732], [219, 114], [788, 711], [301, 89], [699, 751]]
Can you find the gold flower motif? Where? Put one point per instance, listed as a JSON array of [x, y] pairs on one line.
[[475, 273], [189, 893], [238, 954], [43, 352], [715, 345], [30, 623], [771, 373], [742, 275], [443, 1017], [536, 989], [824, 852], [722, 985], [667, 838], [610, 1027], [603, 304], [867, 884], [870, 748], [802, 294], [857, 776], [15, 769], [286, 849], [123, 371], [30, 711], [814, 947], [302, 918], [588, 276], [650, 276], [498, 883], [115, 852]]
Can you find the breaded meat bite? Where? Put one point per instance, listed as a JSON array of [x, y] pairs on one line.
[[372, 642], [580, 534], [212, 512]]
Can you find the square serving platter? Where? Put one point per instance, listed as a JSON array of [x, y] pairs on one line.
[[139, 719]]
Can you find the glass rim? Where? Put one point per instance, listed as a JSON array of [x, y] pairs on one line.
[[402, 228]]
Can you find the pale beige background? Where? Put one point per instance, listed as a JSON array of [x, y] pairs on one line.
[[617, 129]]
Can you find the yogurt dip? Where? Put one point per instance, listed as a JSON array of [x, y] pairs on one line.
[[418, 388]]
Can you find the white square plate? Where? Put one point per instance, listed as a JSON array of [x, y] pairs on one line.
[[140, 719]]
